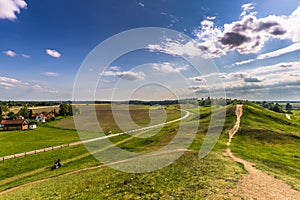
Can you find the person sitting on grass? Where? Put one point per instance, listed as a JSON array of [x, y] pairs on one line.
[[57, 163]]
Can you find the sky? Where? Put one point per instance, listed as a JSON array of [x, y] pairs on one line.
[[245, 50]]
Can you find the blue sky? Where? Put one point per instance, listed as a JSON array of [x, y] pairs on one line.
[[254, 45]]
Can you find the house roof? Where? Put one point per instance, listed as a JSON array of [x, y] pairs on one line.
[[14, 122]]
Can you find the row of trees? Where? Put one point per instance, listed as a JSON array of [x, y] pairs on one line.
[[276, 107], [64, 110]]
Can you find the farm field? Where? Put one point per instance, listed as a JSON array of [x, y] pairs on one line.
[[107, 117], [37, 109]]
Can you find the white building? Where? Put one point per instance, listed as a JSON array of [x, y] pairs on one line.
[[40, 118]]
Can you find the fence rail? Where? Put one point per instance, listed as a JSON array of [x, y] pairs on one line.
[[39, 151], [89, 140]]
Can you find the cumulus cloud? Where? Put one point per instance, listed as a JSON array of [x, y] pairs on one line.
[[50, 74], [9, 8], [10, 53], [167, 67], [53, 53], [128, 75], [249, 34]]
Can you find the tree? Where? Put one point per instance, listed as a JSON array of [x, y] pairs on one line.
[[277, 108], [12, 115], [24, 112], [288, 107], [64, 109]]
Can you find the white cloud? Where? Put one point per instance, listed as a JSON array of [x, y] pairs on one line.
[[258, 83], [242, 62], [128, 75], [50, 74], [167, 67], [9, 8], [10, 53], [25, 55], [246, 9], [249, 34], [43, 89], [141, 4], [279, 52], [177, 48], [53, 53], [8, 83], [115, 68]]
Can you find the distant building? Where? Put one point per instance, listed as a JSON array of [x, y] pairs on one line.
[[18, 124], [40, 118], [32, 126]]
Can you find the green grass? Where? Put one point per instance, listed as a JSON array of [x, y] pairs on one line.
[[271, 141], [187, 178], [13, 142]]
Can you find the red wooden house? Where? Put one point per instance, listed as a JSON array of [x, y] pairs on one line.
[[18, 124]]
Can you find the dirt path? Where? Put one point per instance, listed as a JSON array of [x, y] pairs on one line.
[[257, 184]]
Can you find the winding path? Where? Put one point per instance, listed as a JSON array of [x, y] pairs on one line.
[[257, 184]]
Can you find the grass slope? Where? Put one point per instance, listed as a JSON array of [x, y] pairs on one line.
[[271, 141], [187, 178], [13, 142]]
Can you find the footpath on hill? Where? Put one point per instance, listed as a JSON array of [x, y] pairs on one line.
[[257, 184]]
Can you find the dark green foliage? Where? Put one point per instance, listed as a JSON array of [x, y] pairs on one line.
[[68, 110], [12, 115], [25, 112]]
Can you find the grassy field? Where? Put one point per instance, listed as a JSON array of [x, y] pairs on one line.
[[13, 142], [268, 139], [271, 141], [187, 178]]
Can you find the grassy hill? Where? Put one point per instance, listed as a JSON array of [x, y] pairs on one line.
[[271, 141], [187, 178], [268, 139]]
